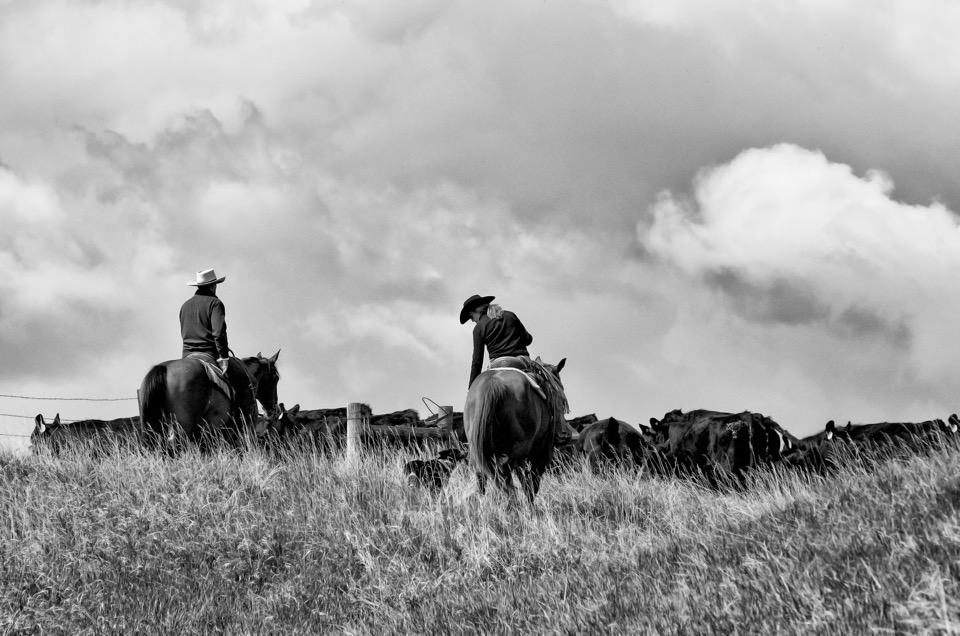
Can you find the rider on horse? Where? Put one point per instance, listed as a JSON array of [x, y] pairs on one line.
[[203, 328], [506, 341]]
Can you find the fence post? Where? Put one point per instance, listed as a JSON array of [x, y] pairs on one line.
[[356, 427], [445, 418]]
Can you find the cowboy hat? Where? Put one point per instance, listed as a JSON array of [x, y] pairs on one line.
[[472, 303], [206, 277]]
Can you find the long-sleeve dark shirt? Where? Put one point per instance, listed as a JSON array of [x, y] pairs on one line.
[[504, 336], [203, 325]]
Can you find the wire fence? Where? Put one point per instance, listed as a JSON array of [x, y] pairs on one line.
[[63, 399], [51, 399]]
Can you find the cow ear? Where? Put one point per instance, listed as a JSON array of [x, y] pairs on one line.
[[613, 432], [560, 366]]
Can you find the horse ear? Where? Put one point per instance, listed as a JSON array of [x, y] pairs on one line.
[[38, 421], [275, 356], [560, 366], [56, 420], [259, 355], [538, 360], [294, 409]]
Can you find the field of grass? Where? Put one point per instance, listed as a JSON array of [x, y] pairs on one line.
[[222, 543]]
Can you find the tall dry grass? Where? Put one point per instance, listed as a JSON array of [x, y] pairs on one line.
[[221, 543]]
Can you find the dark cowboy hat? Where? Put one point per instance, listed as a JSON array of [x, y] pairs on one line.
[[472, 303]]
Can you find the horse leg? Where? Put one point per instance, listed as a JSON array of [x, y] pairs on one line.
[[530, 481], [173, 436], [503, 477], [481, 483]]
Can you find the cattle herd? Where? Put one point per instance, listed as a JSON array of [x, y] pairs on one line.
[[725, 446], [720, 448]]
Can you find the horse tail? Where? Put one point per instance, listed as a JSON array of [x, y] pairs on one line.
[[484, 419], [153, 399]]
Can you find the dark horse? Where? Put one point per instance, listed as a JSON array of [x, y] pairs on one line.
[[178, 399], [509, 425]]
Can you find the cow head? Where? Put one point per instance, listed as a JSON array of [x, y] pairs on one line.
[[452, 455], [660, 429], [830, 430], [41, 428], [286, 419]]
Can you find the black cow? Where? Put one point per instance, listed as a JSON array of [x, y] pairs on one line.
[[832, 446], [611, 441], [323, 429], [98, 435], [715, 443], [433, 473], [579, 423]]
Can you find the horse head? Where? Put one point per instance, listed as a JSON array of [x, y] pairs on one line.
[[266, 377]]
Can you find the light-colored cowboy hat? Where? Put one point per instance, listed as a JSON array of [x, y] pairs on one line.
[[472, 303], [206, 277]]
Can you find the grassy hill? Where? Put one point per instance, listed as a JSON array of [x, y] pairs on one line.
[[250, 545]]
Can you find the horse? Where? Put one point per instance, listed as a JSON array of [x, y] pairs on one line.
[[177, 398], [509, 425]]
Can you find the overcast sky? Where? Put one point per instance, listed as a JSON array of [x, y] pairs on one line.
[[722, 204]]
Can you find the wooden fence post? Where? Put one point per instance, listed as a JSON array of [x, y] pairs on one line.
[[356, 427], [445, 418]]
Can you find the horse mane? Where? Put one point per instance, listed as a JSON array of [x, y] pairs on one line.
[[553, 388]]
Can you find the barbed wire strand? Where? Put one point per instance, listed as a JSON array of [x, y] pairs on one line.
[[63, 399], [33, 417]]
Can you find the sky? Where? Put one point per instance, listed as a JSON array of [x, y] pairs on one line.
[[719, 204]]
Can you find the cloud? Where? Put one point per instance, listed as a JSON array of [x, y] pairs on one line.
[[802, 230], [357, 170], [804, 255]]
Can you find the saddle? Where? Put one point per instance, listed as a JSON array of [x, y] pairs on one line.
[[214, 373], [519, 365]]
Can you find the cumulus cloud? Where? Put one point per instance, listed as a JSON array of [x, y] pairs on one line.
[[786, 224], [804, 249]]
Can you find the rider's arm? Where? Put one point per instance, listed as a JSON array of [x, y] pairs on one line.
[[477, 360], [218, 326]]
